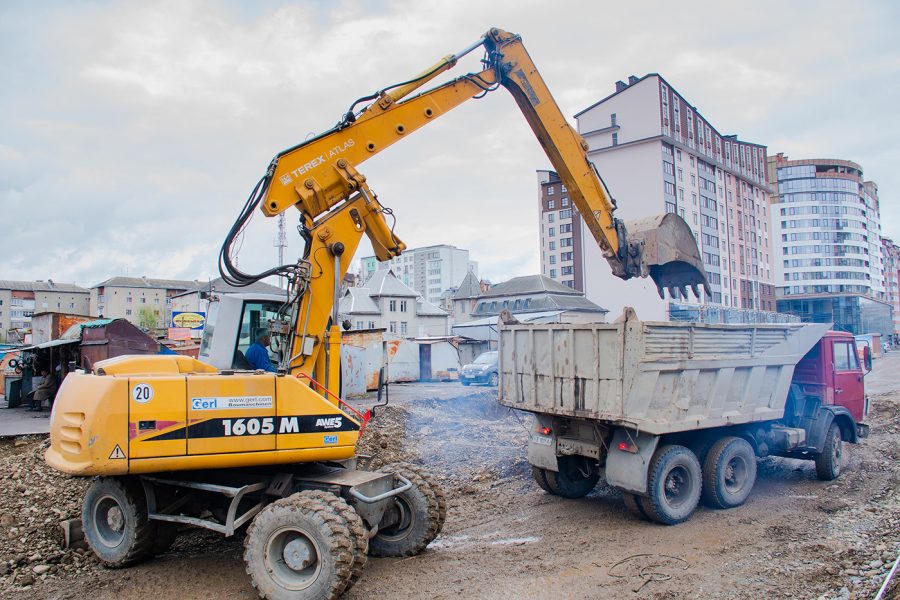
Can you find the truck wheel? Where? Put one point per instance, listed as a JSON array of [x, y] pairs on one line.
[[298, 548], [575, 479], [540, 476], [729, 473], [673, 485], [115, 521], [494, 380], [358, 532], [633, 504], [415, 517], [828, 462]]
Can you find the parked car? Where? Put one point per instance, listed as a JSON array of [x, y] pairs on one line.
[[483, 370]]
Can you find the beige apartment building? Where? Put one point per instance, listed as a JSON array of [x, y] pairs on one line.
[[134, 298], [20, 300], [657, 153]]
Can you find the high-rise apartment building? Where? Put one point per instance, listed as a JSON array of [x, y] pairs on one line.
[[656, 153], [826, 224], [890, 255], [430, 270]]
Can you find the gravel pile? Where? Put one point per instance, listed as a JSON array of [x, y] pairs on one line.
[[34, 499]]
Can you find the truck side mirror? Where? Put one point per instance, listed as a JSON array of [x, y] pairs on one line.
[[867, 358]]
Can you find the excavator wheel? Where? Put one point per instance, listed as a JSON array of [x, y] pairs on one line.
[[115, 521], [415, 517], [299, 548], [435, 489], [357, 528]]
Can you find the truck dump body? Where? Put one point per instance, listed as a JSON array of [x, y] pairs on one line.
[[655, 377]]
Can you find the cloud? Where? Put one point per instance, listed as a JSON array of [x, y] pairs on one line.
[[133, 132]]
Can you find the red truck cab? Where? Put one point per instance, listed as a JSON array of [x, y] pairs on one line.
[[831, 370]]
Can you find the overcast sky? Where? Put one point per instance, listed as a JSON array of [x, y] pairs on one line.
[[132, 132]]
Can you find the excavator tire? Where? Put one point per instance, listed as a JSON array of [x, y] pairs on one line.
[[419, 517], [436, 489], [358, 532], [299, 548], [115, 521]]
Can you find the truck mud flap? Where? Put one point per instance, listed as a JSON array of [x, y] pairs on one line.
[[628, 459]]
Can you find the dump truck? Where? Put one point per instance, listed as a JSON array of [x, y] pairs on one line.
[[671, 412]]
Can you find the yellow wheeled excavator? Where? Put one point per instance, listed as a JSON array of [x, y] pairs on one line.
[[174, 442]]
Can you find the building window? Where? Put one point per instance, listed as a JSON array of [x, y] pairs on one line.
[[615, 139], [565, 242], [403, 306], [127, 312], [359, 324], [670, 188], [128, 300], [552, 259], [553, 273], [565, 228], [143, 300], [550, 217], [612, 120], [371, 324], [551, 231], [680, 172], [551, 204], [393, 327], [550, 191], [565, 202], [567, 271], [156, 301], [563, 189], [553, 245], [565, 214], [403, 327]]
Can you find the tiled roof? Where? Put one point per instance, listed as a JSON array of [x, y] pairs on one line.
[[357, 302], [385, 283], [469, 288], [146, 282], [42, 286], [529, 284]]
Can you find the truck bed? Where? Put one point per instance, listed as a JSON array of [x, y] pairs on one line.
[[656, 377]]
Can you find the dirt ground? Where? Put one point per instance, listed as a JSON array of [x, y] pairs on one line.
[[796, 537]]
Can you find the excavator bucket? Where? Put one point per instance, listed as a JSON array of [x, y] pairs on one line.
[[670, 255]]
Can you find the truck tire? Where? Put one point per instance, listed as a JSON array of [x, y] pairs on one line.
[[540, 476], [418, 517], [298, 548], [358, 532], [673, 485], [571, 481], [115, 521], [729, 473], [828, 461], [633, 504]]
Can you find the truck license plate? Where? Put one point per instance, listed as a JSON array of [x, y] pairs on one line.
[[542, 440]]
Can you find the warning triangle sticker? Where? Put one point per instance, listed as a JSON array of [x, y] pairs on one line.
[[117, 453]]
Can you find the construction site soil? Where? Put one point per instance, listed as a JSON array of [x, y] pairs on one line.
[[796, 537]]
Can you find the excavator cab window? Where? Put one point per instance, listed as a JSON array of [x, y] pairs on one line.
[[255, 320]]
